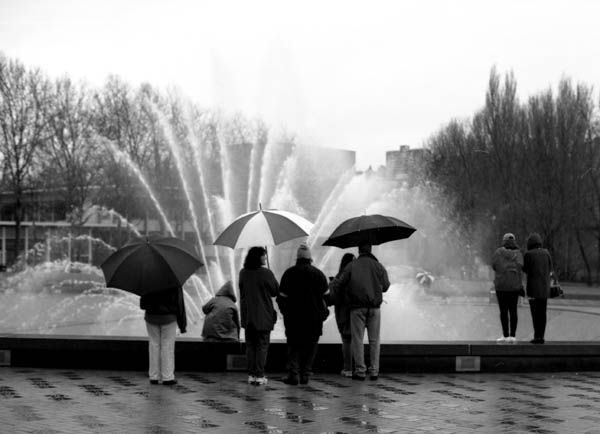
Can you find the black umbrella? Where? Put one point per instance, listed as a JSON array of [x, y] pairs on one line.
[[374, 229], [151, 264]]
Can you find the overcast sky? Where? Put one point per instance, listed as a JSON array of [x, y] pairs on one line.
[[368, 76]]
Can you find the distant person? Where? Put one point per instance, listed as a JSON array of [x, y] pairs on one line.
[[537, 264], [222, 322], [165, 311], [257, 287], [303, 307], [342, 316], [363, 283], [507, 263]]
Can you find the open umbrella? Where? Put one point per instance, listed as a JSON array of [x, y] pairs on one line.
[[263, 228], [374, 229], [150, 264]]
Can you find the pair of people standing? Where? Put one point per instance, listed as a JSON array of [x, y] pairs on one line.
[[357, 292], [300, 300], [508, 264]]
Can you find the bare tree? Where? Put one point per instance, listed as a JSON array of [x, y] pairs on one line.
[[22, 96], [71, 165]]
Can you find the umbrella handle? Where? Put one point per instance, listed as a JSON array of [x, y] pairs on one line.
[[267, 253]]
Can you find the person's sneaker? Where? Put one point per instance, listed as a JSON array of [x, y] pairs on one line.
[[347, 374], [511, 340], [260, 381], [169, 383], [292, 381], [537, 341], [358, 377], [153, 381], [373, 377], [304, 379], [251, 379], [501, 340]]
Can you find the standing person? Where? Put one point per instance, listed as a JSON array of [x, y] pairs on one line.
[[257, 287], [507, 263], [364, 281], [303, 307], [342, 316], [222, 322], [537, 264], [165, 311]]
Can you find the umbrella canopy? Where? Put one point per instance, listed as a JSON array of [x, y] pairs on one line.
[[263, 228], [374, 229], [150, 264]]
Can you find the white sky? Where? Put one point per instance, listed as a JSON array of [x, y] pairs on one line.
[[363, 75]]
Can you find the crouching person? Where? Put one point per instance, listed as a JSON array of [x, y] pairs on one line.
[[222, 321]]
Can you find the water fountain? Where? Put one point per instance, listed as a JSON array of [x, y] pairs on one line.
[[231, 174]]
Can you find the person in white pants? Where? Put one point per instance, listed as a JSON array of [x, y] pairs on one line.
[[165, 311]]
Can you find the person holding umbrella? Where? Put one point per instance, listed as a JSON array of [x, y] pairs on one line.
[[303, 307], [165, 311], [257, 288], [155, 268], [362, 283]]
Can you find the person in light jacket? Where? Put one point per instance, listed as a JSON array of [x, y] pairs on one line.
[[507, 263], [222, 322]]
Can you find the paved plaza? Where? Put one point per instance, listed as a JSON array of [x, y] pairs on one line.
[[44, 401]]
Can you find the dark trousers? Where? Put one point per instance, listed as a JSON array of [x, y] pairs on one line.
[[507, 301], [300, 357], [257, 346], [538, 316]]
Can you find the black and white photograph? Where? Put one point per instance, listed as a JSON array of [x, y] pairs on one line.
[[299, 216]]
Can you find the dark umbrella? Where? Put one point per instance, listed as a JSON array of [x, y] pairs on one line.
[[374, 229], [150, 264]]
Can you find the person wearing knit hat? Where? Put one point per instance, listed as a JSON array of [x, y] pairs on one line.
[[303, 252], [302, 304], [507, 262]]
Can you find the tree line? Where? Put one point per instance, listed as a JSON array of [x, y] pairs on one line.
[[525, 167], [512, 167]]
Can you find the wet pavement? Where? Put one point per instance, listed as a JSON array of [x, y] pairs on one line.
[[46, 401]]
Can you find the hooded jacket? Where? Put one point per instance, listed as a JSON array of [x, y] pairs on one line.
[[537, 264], [363, 281], [301, 301], [221, 322]]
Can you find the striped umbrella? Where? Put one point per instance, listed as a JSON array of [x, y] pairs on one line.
[[263, 228]]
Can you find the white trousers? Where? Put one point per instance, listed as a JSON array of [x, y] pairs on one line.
[[161, 350]]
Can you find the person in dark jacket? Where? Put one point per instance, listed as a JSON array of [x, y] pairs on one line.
[[257, 288], [165, 311], [507, 263], [537, 264], [222, 322], [363, 283], [303, 307], [342, 317]]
